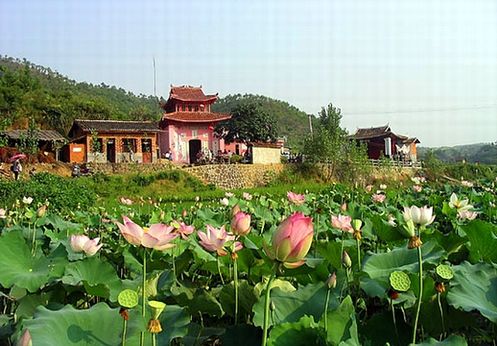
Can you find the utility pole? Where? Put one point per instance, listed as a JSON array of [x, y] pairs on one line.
[[310, 123], [155, 79]]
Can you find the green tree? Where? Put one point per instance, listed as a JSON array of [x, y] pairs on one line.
[[344, 158], [249, 123]]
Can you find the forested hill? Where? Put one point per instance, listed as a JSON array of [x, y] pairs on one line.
[[54, 101], [291, 122], [483, 153]]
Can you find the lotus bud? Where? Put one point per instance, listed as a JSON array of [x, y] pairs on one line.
[[240, 224], [235, 210], [3, 213], [346, 261], [184, 213], [292, 240], [343, 207], [41, 211], [332, 281], [25, 339]]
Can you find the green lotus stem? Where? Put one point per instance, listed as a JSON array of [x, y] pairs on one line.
[[266, 310], [420, 295], [174, 263], [263, 225], [154, 339], [394, 320], [327, 301], [219, 269], [235, 283], [33, 241], [125, 326], [441, 313], [358, 242], [144, 281]]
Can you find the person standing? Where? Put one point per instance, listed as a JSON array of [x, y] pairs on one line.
[[16, 168]]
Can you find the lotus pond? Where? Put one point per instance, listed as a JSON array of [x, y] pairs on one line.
[[346, 266]]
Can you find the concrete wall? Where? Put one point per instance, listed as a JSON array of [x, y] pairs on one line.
[[265, 155], [236, 176]]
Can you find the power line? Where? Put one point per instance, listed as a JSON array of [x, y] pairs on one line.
[[426, 110]]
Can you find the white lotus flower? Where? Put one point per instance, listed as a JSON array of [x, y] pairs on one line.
[[422, 216], [459, 204], [27, 200]]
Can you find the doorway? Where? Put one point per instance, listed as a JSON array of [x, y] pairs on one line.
[[111, 150], [194, 146], [146, 150]]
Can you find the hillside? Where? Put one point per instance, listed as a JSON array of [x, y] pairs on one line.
[[482, 152], [291, 122], [53, 101]]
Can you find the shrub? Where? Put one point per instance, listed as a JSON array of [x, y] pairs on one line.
[[63, 194]]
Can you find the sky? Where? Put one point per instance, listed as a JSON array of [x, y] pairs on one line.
[[428, 68]]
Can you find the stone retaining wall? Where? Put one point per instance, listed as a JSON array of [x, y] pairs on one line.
[[236, 176]]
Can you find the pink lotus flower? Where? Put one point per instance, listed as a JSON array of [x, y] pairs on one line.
[[417, 188], [81, 243], [125, 201], [158, 236], [369, 188], [214, 240], [184, 230], [25, 339], [295, 198], [292, 240], [342, 222], [465, 214], [240, 223], [378, 198]]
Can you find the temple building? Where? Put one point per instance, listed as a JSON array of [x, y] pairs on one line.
[[187, 125], [382, 141]]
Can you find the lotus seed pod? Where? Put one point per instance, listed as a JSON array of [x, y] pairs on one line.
[[444, 271], [400, 281], [356, 224], [157, 308], [154, 326], [128, 298]]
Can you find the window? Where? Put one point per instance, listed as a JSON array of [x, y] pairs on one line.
[[196, 108], [129, 145], [189, 108]]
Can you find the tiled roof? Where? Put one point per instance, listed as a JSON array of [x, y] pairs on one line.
[[195, 117], [43, 135], [411, 140], [116, 126], [265, 145], [372, 132], [189, 93]]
